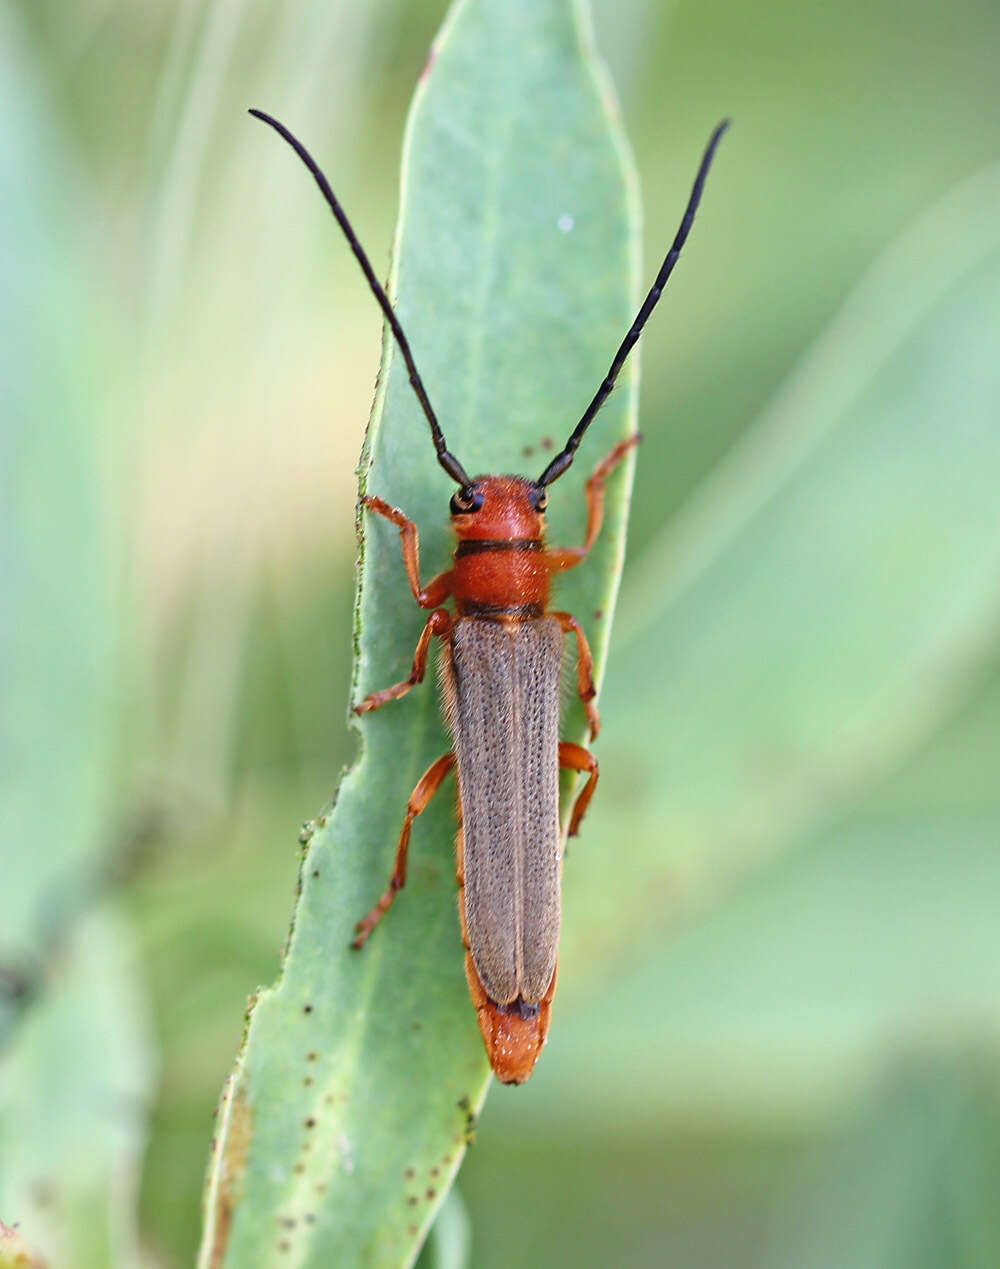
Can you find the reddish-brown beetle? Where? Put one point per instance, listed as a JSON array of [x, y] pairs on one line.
[[501, 656]]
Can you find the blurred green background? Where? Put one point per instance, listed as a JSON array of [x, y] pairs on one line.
[[776, 1039]]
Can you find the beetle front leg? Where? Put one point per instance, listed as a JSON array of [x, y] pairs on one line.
[[438, 623], [439, 588], [570, 556], [576, 758], [584, 669], [427, 786]]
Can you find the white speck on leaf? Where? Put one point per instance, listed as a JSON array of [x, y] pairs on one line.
[[565, 223], [345, 1153]]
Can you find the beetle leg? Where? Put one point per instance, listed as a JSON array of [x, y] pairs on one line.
[[427, 786], [438, 623], [576, 758], [439, 588], [584, 669], [570, 556]]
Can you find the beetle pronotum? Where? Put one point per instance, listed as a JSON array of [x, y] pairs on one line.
[[501, 657]]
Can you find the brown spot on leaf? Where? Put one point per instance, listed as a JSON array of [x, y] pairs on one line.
[[230, 1172]]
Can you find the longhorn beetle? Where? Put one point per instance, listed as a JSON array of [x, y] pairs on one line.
[[501, 655]]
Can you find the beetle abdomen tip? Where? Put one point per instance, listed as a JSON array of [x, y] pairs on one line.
[[513, 1042], [514, 1034]]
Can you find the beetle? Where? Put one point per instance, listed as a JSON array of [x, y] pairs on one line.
[[501, 663]]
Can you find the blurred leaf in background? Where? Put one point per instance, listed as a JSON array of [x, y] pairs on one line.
[[76, 1066], [915, 1167], [791, 875]]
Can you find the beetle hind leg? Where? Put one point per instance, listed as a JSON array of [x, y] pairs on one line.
[[427, 786], [576, 758]]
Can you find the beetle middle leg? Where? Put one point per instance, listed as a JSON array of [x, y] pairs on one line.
[[576, 758], [584, 669], [427, 786], [438, 623], [570, 556]]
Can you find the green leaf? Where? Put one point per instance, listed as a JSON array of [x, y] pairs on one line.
[[515, 277]]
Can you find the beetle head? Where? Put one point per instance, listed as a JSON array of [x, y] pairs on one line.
[[499, 507]]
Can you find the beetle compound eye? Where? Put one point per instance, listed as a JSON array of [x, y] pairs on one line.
[[466, 500], [539, 499]]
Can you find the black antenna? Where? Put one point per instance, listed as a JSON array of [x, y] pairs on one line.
[[561, 461], [447, 460]]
